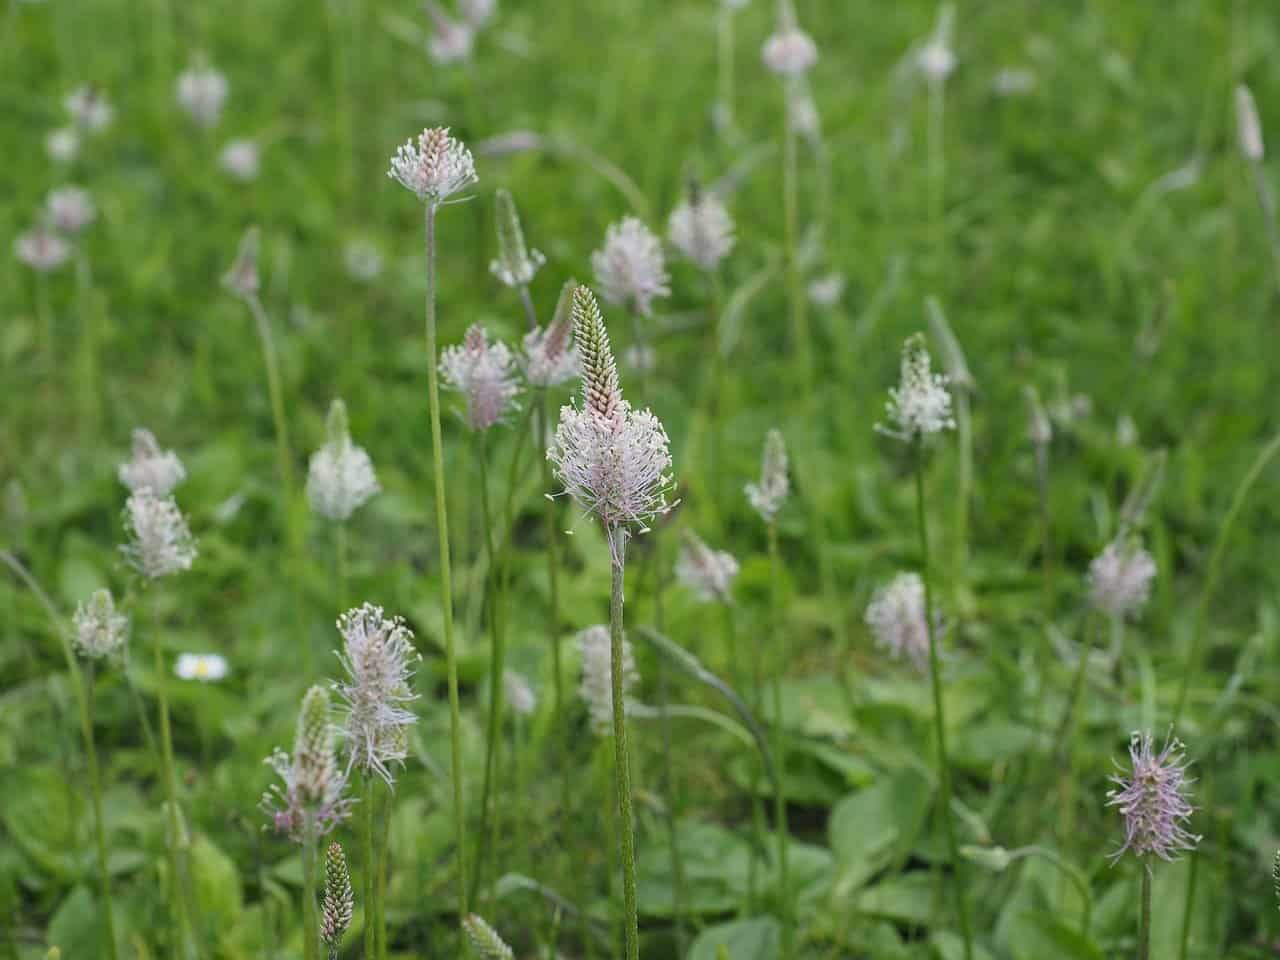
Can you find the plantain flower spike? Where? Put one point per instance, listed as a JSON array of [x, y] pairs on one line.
[[516, 263], [310, 801], [484, 939], [768, 496], [340, 477], [435, 168], [339, 900]]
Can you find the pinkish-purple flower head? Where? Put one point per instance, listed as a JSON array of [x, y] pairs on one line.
[[310, 801], [1152, 798], [484, 373]]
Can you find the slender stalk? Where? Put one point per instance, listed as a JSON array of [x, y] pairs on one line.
[[1144, 921], [1046, 526], [725, 64], [553, 614], [340, 549], [1266, 201], [99, 824], [670, 786], [937, 169], [370, 870], [717, 389], [446, 589], [621, 756], [526, 301], [1067, 725], [964, 487], [380, 878], [310, 915], [939, 718], [44, 320], [276, 394], [779, 748], [791, 246], [88, 341]]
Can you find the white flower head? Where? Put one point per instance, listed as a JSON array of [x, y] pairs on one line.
[[518, 693], [477, 13], [435, 168], [151, 468], [935, 58], [826, 291], [89, 108], [516, 264], [70, 209], [921, 404], [99, 631], [484, 373], [1248, 126], [377, 656], [62, 144], [340, 477], [702, 230], [789, 52], [202, 92], [241, 160], [41, 248], [596, 685], [160, 543], [363, 260], [896, 617], [612, 460], [451, 40], [1120, 578], [548, 355], [708, 573], [630, 269], [768, 496], [205, 667]]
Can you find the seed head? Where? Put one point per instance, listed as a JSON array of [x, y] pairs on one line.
[[702, 230], [99, 631], [516, 263], [1248, 126], [312, 792], [789, 52], [708, 573], [90, 109], [768, 496], [241, 160], [340, 478], [41, 249], [484, 939], [241, 277], [377, 656], [151, 468], [518, 693], [436, 168], [1120, 578], [160, 543], [897, 619], [202, 92], [484, 373], [1153, 800], [70, 209], [630, 269], [611, 459], [339, 899], [596, 686], [920, 405]]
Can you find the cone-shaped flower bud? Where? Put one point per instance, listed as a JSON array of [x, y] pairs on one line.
[[484, 939], [1248, 126], [516, 263], [340, 478], [310, 801], [99, 631], [549, 357], [339, 899], [768, 496]]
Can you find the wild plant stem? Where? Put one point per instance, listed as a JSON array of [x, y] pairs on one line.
[[526, 301], [791, 244], [1046, 526], [939, 718], [88, 341], [553, 613], [779, 748], [339, 30], [670, 787], [725, 64], [964, 487], [621, 756], [370, 871], [1144, 921], [380, 878], [340, 549], [1266, 201], [310, 915], [717, 390], [446, 589], [99, 824]]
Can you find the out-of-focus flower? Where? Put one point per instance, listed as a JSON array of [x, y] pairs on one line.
[[768, 496], [377, 655], [826, 291], [435, 168], [548, 355], [802, 111], [789, 52], [310, 802], [90, 109], [596, 686], [241, 277], [935, 58], [207, 667], [451, 40], [202, 92], [1039, 429], [151, 468], [518, 693], [70, 209], [41, 248], [484, 373], [338, 905], [477, 13], [708, 573], [160, 543], [921, 404], [1152, 798], [897, 619], [241, 160], [363, 260], [62, 144], [630, 268], [702, 230], [516, 264], [1013, 82], [1248, 126], [340, 477], [1120, 578], [99, 631], [484, 939]]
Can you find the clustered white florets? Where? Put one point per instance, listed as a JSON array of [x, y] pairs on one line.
[[89, 109], [41, 248], [99, 631], [309, 802], [790, 52], [896, 617], [241, 160], [202, 92], [630, 268], [205, 667], [160, 543], [70, 209], [435, 168], [376, 655], [596, 686], [768, 496], [702, 230], [921, 404], [1120, 578], [548, 358], [340, 477], [484, 373], [708, 573], [151, 468]]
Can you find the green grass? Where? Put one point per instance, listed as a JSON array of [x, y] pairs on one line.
[[1056, 263]]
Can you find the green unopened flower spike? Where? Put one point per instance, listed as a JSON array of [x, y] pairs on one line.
[[484, 939], [516, 263], [339, 899]]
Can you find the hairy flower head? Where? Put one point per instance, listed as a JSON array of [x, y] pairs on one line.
[[311, 794], [701, 229], [596, 685], [484, 373], [89, 109], [435, 168], [789, 52], [1120, 578], [708, 573], [160, 542], [202, 92], [897, 619], [516, 263], [340, 477], [1152, 798], [548, 354], [98, 630], [151, 468], [41, 248], [920, 404], [70, 209], [768, 496], [630, 268]]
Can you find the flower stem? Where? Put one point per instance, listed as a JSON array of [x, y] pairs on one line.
[[526, 301], [370, 870], [964, 487], [380, 878], [1144, 921], [717, 390], [791, 245], [340, 549], [779, 748], [621, 756], [446, 589], [725, 63], [553, 612], [310, 916], [939, 718], [99, 826], [670, 787]]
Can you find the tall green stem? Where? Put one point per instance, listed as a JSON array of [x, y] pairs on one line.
[[939, 718], [621, 756], [370, 870], [310, 915], [380, 878], [340, 549], [1144, 921], [99, 825], [779, 747], [725, 64], [717, 390], [791, 242], [964, 487], [553, 612], [446, 589]]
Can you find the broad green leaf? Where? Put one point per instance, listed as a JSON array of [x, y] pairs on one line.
[[756, 938]]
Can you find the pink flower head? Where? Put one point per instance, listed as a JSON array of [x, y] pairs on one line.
[[435, 168], [484, 373], [1152, 799]]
